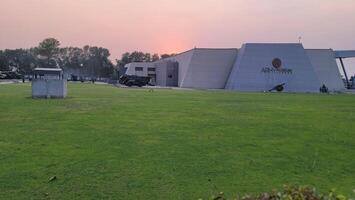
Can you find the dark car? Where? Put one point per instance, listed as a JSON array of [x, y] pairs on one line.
[[132, 80]]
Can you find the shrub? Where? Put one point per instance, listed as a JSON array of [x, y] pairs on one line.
[[289, 193]]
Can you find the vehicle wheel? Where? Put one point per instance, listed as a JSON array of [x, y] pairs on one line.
[[280, 88]]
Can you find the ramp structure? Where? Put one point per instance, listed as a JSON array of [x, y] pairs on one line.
[[326, 68]]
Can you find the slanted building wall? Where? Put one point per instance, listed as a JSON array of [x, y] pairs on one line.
[[260, 67], [167, 73], [326, 68], [209, 68], [183, 60]]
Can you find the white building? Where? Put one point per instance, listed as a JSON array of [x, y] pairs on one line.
[[49, 83], [254, 67]]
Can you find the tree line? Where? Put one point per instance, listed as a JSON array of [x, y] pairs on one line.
[[89, 61]]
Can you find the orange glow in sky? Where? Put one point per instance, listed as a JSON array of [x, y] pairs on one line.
[[167, 26]]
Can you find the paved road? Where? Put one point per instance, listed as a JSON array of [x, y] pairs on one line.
[[10, 81], [352, 91]]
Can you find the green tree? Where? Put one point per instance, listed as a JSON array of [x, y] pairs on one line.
[[86, 61], [20, 60], [48, 48], [97, 62], [136, 56], [155, 57], [167, 55], [4, 64]]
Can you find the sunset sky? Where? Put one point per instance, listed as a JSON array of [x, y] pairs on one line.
[[167, 26]]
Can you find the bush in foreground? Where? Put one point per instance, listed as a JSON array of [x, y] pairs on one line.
[[290, 193]]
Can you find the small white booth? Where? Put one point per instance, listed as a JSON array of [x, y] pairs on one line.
[[49, 83]]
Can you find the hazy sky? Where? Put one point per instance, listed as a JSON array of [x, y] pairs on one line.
[[167, 26]]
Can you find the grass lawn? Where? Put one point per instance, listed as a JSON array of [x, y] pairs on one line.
[[104, 142]]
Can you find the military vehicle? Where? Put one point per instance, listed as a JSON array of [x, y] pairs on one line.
[[132, 80], [278, 88], [10, 75]]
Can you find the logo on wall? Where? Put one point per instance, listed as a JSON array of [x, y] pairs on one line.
[[277, 63], [277, 67]]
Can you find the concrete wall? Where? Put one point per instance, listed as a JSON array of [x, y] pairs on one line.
[[167, 73], [184, 62], [42, 88], [209, 68], [254, 69], [161, 68], [172, 74], [326, 68]]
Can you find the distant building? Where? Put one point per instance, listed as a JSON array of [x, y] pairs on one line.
[[49, 83], [254, 67]]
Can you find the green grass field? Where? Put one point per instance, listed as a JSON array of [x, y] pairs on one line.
[[104, 142]]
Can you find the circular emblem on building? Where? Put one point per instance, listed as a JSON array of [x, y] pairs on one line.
[[277, 63]]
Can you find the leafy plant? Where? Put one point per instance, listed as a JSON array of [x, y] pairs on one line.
[[289, 193]]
